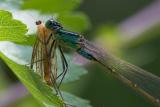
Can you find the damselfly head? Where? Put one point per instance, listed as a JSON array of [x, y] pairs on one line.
[[53, 25]]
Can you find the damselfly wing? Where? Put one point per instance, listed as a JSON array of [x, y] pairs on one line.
[[140, 80]]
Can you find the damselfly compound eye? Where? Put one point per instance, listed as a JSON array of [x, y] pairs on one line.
[[53, 25]]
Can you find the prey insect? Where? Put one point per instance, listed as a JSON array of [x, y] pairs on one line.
[[140, 80], [44, 58]]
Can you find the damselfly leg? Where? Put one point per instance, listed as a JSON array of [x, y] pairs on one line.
[[64, 65]]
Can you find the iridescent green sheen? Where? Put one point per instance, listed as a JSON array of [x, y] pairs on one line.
[[68, 39]]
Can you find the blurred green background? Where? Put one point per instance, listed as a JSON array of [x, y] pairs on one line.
[[109, 20]]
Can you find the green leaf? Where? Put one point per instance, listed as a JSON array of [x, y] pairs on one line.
[[30, 40], [34, 84], [74, 100], [51, 6], [44, 94], [11, 29]]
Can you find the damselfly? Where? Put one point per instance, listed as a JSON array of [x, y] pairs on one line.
[[140, 80]]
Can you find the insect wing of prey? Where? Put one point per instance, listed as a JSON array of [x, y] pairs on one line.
[[41, 56]]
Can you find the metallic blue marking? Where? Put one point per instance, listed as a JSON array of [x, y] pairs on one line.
[[68, 37], [85, 54]]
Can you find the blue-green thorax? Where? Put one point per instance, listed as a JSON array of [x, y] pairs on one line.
[[64, 37], [68, 38]]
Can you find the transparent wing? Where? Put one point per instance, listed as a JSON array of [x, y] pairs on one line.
[[53, 60], [37, 61], [143, 81], [139, 79]]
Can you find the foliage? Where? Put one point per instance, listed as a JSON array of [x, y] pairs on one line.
[[34, 83], [15, 31], [11, 29], [54, 6]]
